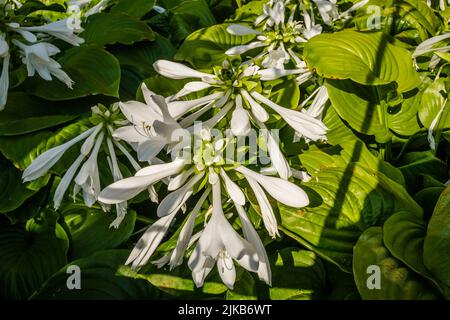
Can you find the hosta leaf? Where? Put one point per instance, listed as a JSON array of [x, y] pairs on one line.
[[111, 28], [433, 99], [337, 130], [437, 242], [189, 16], [13, 192], [297, 275], [344, 202], [414, 164], [366, 58], [244, 287], [30, 255], [94, 71], [209, 45], [136, 8], [90, 229], [22, 150], [178, 282], [99, 281], [25, 113], [362, 108], [397, 282]]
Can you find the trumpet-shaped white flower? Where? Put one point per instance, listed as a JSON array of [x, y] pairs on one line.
[[4, 77], [221, 244], [329, 11], [151, 126], [278, 36], [433, 125], [240, 83], [207, 164], [37, 58], [87, 179], [60, 29]]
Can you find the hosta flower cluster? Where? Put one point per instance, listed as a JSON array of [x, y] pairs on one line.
[[237, 149]]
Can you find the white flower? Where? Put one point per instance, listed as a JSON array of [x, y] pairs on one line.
[[87, 179], [220, 243], [218, 238], [151, 125], [311, 28], [100, 6], [59, 29], [433, 125], [428, 45], [27, 35], [309, 127], [329, 12], [4, 77], [37, 59], [302, 123]]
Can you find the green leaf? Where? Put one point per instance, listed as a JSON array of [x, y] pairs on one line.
[[437, 242], [433, 98], [403, 235], [99, 281], [189, 16], [297, 275], [337, 130], [94, 71], [366, 58], [345, 201], [244, 287], [13, 192], [30, 255], [90, 229], [135, 8], [366, 111], [414, 164], [112, 28], [397, 282], [209, 45], [22, 150], [144, 54], [25, 113]]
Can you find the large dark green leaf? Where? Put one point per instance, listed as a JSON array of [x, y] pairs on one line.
[[30, 255], [365, 110], [366, 58], [90, 229], [25, 113], [297, 275], [345, 200], [13, 192], [94, 71], [99, 281], [136, 8], [209, 45], [437, 242], [111, 28], [397, 282]]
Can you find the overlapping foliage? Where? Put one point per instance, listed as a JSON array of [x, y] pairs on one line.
[[378, 193]]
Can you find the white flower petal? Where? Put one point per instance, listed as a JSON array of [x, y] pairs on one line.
[[176, 70], [282, 190], [174, 200], [180, 179], [227, 271], [252, 236], [240, 122], [270, 222], [244, 48], [257, 110], [4, 82], [240, 30], [191, 87], [149, 241], [65, 181], [130, 187], [179, 108], [233, 189], [46, 160]]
